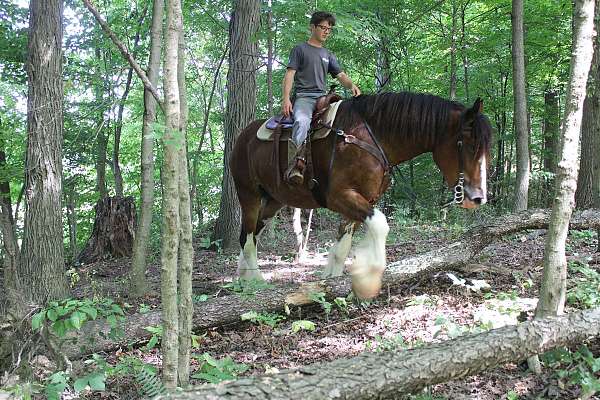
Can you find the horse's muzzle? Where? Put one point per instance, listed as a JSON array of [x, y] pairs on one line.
[[474, 197]]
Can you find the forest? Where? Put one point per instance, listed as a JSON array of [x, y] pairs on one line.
[[444, 245]]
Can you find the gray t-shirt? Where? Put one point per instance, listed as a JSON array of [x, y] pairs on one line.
[[312, 65]]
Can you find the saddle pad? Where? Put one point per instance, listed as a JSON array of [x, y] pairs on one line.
[[266, 134]]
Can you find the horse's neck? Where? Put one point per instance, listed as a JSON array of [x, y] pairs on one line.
[[402, 149]]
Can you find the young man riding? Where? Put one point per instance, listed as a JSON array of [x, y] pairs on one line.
[[307, 69]]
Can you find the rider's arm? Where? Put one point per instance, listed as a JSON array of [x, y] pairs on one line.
[[348, 84], [288, 80]]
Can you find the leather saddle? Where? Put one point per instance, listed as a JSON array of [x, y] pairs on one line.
[[321, 106]]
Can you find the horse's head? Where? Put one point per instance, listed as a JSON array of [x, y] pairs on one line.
[[463, 155]]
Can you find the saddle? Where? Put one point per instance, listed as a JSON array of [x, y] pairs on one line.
[[323, 116]]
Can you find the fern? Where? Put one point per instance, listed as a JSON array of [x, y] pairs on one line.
[[150, 384]]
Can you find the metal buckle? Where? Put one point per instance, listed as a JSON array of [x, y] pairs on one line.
[[459, 189]]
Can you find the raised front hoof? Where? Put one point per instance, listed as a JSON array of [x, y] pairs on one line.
[[368, 285]]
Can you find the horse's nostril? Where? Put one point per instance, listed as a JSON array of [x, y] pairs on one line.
[[478, 200]]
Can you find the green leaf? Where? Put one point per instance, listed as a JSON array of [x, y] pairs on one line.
[[38, 320], [59, 328], [305, 325], [91, 311], [153, 341], [97, 381], [77, 319], [80, 384], [52, 315]]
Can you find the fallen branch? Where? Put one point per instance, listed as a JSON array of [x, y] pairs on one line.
[[228, 309], [386, 375]]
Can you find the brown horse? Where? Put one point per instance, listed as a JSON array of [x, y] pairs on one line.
[[351, 170]]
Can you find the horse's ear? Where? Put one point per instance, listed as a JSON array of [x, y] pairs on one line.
[[471, 113], [477, 106]]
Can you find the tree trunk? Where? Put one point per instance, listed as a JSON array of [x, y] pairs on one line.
[[139, 283], [10, 262], [72, 219], [270, 35], [520, 107], [205, 131], [388, 375], [554, 278], [587, 186], [241, 102], [452, 93], [171, 198], [463, 41], [228, 309], [551, 127], [42, 272], [383, 74], [113, 232], [102, 139], [119, 123], [186, 251], [594, 96]]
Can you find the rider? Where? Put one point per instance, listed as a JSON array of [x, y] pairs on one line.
[[307, 68]]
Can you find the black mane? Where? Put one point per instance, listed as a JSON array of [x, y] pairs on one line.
[[411, 116]]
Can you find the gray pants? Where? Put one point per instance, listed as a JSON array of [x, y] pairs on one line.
[[303, 109]]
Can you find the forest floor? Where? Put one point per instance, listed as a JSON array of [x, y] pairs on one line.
[[428, 309]]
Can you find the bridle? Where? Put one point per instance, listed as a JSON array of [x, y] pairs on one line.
[[458, 190]]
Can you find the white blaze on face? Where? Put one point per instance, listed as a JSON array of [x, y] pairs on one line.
[[483, 177]]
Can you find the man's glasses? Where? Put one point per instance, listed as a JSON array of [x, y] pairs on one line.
[[325, 28]]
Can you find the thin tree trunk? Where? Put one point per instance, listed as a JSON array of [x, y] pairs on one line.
[[594, 95], [186, 251], [269, 59], [42, 273], [587, 181], [383, 74], [205, 130], [520, 107], [453, 52], [72, 219], [241, 101], [554, 278], [9, 241], [139, 283], [172, 143], [102, 139], [119, 123], [463, 41], [551, 127]]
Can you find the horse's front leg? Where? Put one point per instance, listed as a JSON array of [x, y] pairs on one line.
[[369, 258], [338, 253]]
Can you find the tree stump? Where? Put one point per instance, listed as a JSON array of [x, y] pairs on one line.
[[114, 230]]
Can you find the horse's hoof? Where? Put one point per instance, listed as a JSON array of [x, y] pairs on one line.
[[367, 286]]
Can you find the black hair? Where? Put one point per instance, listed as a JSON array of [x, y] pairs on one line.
[[321, 16]]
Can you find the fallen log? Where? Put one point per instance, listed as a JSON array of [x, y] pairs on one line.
[[387, 375], [228, 309]]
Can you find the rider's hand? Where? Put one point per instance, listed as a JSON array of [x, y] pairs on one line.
[[355, 91], [286, 108]]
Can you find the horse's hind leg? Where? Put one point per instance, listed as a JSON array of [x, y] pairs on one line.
[[255, 211], [247, 263], [339, 252]]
